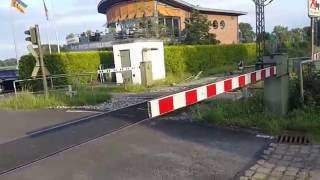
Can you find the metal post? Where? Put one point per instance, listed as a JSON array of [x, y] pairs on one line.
[[312, 38], [51, 81], [15, 88], [42, 65]]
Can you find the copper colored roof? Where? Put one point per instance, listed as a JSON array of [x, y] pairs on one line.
[[106, 4]]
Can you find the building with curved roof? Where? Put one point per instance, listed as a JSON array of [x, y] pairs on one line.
[[126, 16]]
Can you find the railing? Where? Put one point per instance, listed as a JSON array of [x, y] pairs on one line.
[[59, 81]]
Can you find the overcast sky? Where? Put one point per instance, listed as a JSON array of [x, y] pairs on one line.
[[80, 15]]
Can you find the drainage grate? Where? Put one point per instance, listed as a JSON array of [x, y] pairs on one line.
[[293, 139]]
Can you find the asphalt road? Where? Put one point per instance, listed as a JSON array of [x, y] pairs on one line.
[[41, 144], [16, 124], [154, 150]]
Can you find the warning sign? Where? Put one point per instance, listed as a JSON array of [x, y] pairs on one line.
[[314, 8]]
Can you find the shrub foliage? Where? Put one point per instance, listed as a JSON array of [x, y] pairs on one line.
[[67, 63], [180, 59], [207, 58]]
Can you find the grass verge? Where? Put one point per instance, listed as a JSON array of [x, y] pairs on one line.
[[28, 101], [249, 113]]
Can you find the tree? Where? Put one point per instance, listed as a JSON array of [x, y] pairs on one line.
[[197, 30], [296, 35], [282, 33], [247, 33]]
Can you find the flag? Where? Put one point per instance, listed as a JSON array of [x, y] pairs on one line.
[[46, 10], [19, 5]]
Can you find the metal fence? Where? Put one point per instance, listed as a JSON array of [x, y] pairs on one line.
[[60, 82]]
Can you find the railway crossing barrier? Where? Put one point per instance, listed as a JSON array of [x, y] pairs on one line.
[[164, 105], [276, 89]]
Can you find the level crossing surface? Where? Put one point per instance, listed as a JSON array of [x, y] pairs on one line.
[[47, 142], [52, 140]]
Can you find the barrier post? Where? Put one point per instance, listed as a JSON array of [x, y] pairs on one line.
[[276, 89]]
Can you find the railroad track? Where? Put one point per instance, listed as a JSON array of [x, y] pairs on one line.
[[46, 142]]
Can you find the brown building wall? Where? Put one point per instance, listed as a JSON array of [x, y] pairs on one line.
[[228, 34], [141, 8]]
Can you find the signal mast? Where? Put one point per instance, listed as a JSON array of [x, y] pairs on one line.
[[260, 27]]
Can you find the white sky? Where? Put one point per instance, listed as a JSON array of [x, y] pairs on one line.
[[76, 16]]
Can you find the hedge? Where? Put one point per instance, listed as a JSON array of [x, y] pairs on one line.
[[179, 59], [68, 63], [207, 58]]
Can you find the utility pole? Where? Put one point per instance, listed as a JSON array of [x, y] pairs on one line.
[[33, 36]]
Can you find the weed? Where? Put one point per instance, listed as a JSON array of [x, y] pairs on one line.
[[249, 113]]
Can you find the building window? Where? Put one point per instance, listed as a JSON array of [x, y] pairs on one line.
[[215, 24], [222, 24]]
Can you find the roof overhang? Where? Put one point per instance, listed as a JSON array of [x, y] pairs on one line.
[[104, 5]]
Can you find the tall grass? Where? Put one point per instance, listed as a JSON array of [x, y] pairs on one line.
[[83, 96], [249, 113]]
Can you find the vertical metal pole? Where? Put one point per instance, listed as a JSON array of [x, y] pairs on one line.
[[15, 88], [156, 18], [301, 82], [14, 38], [312, 38], [51, 81], [42, 65]]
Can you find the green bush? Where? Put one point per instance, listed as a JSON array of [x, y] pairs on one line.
[[179, 60], [207, 58], [68, 63]]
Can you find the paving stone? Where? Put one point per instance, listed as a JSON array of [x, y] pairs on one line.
[[266, 157], [316, 146], [280, 168], [315, 175], [264, 170], [276, 173], [315, 150], [297, 165], [291, 171], [303, 174], [295, 147], [291, 153], [279, 152], [255, 167], [283, 163], [249, 173], [273, 149], [244, 178], [267, 152], [276, 156], [297, 159], [282, 146], [273, 161], [274, 178], [261, 162], [259, 176], [273, 145], [288, 178], [268, 165], [287, 158]]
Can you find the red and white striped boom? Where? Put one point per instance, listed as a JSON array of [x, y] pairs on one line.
[[164, 105]]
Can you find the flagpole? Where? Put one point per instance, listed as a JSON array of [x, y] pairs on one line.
[[55, 26], [48, 38], [47, 23], [14, 35]]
